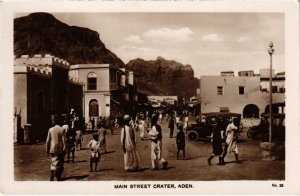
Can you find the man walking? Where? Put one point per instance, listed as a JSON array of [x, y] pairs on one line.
[[230, 143], [156, 145], [171, 126], [55, 147], [128, 141]]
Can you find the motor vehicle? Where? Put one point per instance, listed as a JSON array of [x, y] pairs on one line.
[[261, 132], [203, 129]]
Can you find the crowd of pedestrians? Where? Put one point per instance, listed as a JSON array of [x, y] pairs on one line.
[[66, 136]]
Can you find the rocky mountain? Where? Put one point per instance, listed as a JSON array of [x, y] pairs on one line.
[[164, 77], [42, 33]]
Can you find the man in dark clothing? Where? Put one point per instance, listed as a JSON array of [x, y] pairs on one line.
[[216, 141], [171, 126], [180, 141]]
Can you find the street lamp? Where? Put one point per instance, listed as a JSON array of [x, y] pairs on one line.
[[271, 51]]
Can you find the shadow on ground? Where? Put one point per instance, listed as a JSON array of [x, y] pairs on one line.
[[75, 177]]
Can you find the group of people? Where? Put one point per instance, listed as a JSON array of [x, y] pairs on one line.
[[230, 137], [64, 137], [154, 130], [128, 142]]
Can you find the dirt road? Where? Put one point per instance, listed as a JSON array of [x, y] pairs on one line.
[[31, 162]]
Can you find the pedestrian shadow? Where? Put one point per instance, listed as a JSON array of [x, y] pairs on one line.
[[108, 152], [82, 149], [228, 162], [168, 168], [138, 170], [75, 177], [142, 169], [190, 158], [80, 161], [102, 170]]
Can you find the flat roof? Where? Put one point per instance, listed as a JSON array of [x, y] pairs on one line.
[[89, 66]]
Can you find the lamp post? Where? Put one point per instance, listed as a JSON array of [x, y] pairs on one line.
[[271, 51]]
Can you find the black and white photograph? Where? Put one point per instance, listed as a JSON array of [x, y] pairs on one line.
[[143, 101]]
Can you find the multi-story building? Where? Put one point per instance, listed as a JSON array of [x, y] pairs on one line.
[[108, 90], [102, 82], [42, 87], [242, 94]]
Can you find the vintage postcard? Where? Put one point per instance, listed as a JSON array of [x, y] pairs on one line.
[[150, 97]]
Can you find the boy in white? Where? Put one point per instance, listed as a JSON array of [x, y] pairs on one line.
[[94, 146]]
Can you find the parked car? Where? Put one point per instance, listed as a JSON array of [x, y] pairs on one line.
[[278, 128], [204, 128]]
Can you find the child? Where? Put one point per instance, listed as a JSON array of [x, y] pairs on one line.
[[79, 139], [94, 146], [180, 141], [70, 146]]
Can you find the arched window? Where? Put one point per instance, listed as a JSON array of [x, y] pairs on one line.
[[40, 102], [251, 111], [93, 108], [92, 81]]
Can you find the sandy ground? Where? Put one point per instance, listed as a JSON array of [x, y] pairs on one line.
[[31, 162]]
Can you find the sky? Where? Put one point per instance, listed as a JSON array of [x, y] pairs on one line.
[[209, 42]]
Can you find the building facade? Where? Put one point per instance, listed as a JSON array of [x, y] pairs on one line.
[[242, 94], [42, 87], [101, 80]]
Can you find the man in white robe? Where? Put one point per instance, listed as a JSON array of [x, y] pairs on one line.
[[230, 143], [128, 141]]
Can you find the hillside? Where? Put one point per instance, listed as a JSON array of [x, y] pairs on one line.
[[41, 33], [164, 77]]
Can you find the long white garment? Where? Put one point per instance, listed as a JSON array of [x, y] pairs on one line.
[[142, 126], [232, 147], [156, 148], [131, 157]]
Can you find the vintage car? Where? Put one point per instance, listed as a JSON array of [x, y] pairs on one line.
[[261, 131], [203, 129]]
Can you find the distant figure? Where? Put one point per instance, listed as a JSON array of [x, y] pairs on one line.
[[79, 139], [128, 141], [70, 147], [116, 125], [142, 127], [94, 146], [180, 141], [171, 126], [93, 123], [55, 147], [156, 145], [177, 121], [102, 139], [230, 143], [216, 141], [160, 117]]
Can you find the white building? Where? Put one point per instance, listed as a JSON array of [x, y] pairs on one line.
[[242, 94], [100, 80]]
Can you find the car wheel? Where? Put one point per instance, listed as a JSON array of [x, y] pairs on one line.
[[192, 136], [250, 132]]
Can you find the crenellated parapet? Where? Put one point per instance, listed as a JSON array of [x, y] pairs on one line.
[[75, 80], [42, 61]]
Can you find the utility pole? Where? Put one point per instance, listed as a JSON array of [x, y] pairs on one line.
[[271, 51]]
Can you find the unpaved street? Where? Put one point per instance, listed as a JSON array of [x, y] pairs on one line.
[[31, 162]]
